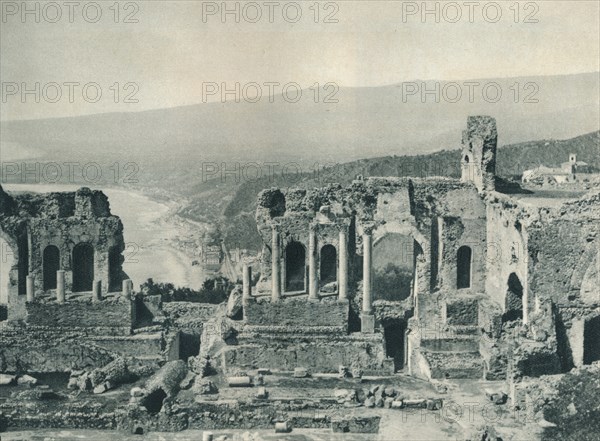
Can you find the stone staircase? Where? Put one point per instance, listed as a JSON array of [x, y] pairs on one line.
[[453, 357]]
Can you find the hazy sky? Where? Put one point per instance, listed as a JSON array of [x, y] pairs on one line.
[[174, 49]]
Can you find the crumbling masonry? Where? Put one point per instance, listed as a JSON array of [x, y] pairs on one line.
[[439, 277], [497, 289]]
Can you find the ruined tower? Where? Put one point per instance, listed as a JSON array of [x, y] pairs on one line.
[[478, 159]]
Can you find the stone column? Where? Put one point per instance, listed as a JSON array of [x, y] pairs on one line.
[[367, 318], [60, 286], [313, 280], [275, 267], [127, 287], [343, 266], [97, 291], [247, 280], [30, 289]]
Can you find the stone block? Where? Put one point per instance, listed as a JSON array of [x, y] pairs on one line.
[[244, 381], [343, 372], [188, 381], [136, 392], [205, 387], [6, 380], [367, 323], [283, 427], [27, 379], [397, 404], [101, 388], [434, 404], [262, 393], [415, 404], [496, 396], [301, 372]]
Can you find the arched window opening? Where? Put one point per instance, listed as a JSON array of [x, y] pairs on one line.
[[463, 267], [51, 264], [393, 267], [328, 272], [295, 267], [514, 299], [83, 267]]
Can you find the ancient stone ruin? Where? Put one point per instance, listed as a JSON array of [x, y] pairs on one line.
[[439, 278]]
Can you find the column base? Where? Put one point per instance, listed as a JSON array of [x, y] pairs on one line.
[[367, 323]]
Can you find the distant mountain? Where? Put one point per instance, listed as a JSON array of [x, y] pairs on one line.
[[365, 122], [238, 202]]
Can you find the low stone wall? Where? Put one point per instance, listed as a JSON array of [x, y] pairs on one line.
[[318, 355], [114, 313], [142, 345], [43, 349], [189, 317], [298, 312], [58, 414], [451, 345]]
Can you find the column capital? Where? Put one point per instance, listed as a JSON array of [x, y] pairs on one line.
[[367, 229]]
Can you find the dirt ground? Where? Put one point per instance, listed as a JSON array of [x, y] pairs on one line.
[[465, 407]]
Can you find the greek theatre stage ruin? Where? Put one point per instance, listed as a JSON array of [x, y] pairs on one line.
[[483, 286]]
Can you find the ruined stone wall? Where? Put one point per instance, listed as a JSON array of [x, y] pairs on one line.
[[47, 349], [564, 249], [323, 354], [507, 242], [113, 313], [478, 161], [65, 234], [299, 312], [30, 222], [189, 317]]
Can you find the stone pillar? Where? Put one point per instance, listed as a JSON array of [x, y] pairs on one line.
[[30, 289], [343, 266], [313, 280], [60, 286], [127, 287], [247, 280], [275, 267], [97, 291], [367, 318]]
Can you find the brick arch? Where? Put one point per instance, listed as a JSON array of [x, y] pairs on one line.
[[408, 229], [422, 251]]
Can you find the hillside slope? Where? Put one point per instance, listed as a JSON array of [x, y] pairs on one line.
[[237, 215]]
